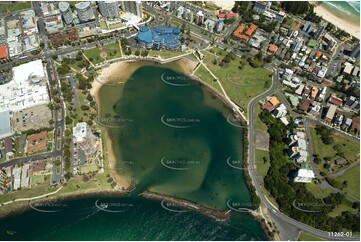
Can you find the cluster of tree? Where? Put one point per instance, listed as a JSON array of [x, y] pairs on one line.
[[240, 7], [296, 7], [287, 193], [325, 134], [312, 16], [143, 53]]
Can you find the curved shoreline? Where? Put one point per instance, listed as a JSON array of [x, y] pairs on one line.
[[214, 214]]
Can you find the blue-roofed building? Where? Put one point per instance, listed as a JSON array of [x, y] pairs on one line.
[[159, 37]]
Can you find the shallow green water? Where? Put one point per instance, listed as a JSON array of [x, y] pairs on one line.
[[174, 138]]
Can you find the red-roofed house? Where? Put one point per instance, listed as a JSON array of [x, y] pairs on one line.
[[223, 16], [272, 48], [335, 100], [3, 52], [238, 32], [251, 29], [305, 106], [267, 106], [356, 125]]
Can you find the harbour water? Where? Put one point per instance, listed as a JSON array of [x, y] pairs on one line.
[[129, 219], [173, 137]]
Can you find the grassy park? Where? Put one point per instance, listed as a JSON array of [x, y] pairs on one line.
[[240, 83], [112, 50], [262, 167], [352, 178], [307, 237], [17, 6]]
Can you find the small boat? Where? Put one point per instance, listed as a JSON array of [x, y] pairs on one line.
[[9, 232]]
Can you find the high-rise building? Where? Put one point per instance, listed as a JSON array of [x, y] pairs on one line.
[[109, 9], [199, 17], [356, 52], [220, 25], [134, 7], [319, 31], [84, 138], [85, 11], [66, 13], [188, 14]]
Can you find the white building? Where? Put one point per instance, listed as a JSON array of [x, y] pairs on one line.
[[84, 138], [305, 174], [28, 88], [16, 178], [109, 9], [280, 112], [66, 13]]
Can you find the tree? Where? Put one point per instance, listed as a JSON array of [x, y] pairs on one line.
[[137, 53]]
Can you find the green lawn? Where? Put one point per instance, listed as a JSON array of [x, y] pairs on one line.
[[165, 54], [26, 193], [350, 148], [352, 177], [116, 25], [88, 168], [307, 237], [7, 8], [76, 184], [258, 124], [316, 190], [37, 179], [262, 167], [203, 74], [346, 205], [111, 49], [241, 85]]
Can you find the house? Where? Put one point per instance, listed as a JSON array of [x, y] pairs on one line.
[[9, 146], [335, 100], [330, 113], [305, 174], [268, 106], [305, 106], [300, 89], [37, 142], [272, 48], [3, 52], [252, 28], [348, 68], [347, 123], [301, 156], [340, 161], [274, 101], [285, 121], [356, 125], [314, 92], [280, 112]]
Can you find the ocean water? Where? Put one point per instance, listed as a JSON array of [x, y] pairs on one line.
[[349, 10], [123, 219]]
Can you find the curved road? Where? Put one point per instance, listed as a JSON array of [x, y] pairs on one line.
[[253, 173]]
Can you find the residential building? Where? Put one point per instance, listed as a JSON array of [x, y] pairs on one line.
[[281, 111], [36, 142], [109, 9], [16, 177], [84, 11], [9, 146], [335, 100], [134, 7], [356, 52], [180, 11], [53, 24], [219, 26], [330, 113], [25, 178], [3, 52], [356, 125], [348, 68], [314, 93], [66, 13], [210, 24], [199, 17], [84, 138], [2, 181], [305, 174]]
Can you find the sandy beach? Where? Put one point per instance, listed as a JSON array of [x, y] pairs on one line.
[[226, 5], [348, 26], [122, 71]]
